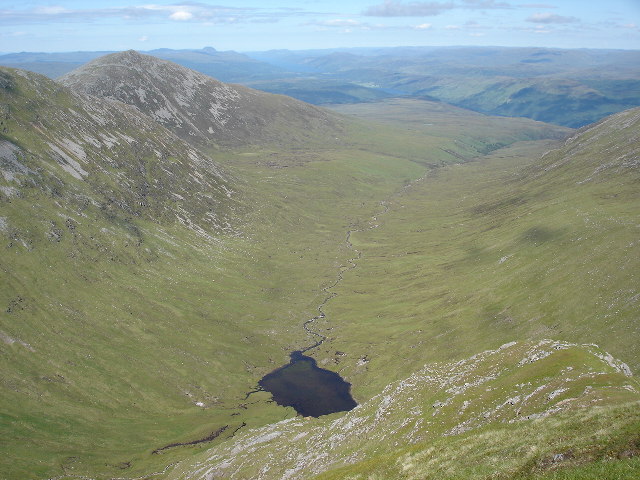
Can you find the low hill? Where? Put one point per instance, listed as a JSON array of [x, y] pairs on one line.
[[200, 109]]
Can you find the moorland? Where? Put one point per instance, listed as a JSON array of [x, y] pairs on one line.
[[167, 239]]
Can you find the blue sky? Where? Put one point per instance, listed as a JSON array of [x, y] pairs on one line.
[[69, 25]]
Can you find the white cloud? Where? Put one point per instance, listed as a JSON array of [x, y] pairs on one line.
[[485, 4], [186, 10], [348, 25], [393, 8], [53, 10], [14, 34], [537, 5], [423, 26], [181, 15], [143, 38], [397, 8]]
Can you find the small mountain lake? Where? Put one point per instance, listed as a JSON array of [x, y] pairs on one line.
[[312, 391]]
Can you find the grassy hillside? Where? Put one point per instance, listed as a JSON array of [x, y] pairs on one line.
[[516, 245], [146, 289], [480, 255]]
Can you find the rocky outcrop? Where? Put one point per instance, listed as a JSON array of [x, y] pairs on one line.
[[517, 382]]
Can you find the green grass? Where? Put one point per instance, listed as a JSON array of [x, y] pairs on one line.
[[116, 322], [575, 445], [478, 255]]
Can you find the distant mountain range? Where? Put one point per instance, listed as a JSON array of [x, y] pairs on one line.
[[566, 87], [226, 66]]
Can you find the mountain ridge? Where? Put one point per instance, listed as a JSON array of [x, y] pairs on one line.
[[89, 138], [198, 108]]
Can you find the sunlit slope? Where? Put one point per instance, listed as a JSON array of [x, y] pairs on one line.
[[145, 291], [514, 247], [531, 255], [200, 109]]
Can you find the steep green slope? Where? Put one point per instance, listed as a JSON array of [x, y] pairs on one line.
[[95, 198]]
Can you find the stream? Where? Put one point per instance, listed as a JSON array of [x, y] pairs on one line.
[[313, 391]]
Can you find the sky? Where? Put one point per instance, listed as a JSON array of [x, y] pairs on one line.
[[252, 25]]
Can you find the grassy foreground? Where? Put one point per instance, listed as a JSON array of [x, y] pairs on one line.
[[597, 444]]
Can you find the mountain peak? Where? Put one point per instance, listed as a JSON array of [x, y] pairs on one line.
[[129, 53], [121, 159], [199, 108]]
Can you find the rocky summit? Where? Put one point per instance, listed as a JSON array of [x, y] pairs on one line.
[[198, 108]]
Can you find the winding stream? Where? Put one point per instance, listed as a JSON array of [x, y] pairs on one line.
[[313, 391]]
